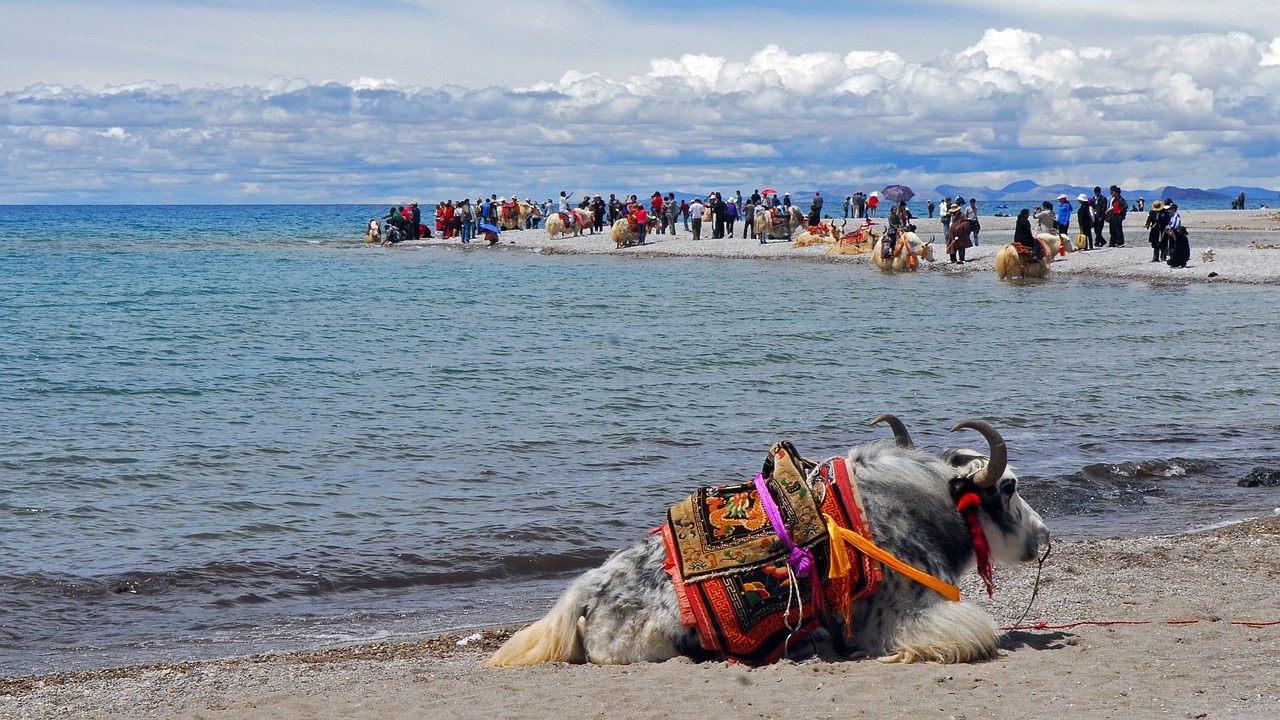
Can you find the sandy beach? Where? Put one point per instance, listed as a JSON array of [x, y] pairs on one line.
[[1245, 243], [1184, 626]]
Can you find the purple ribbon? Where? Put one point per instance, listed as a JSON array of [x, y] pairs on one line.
[[799, 559]]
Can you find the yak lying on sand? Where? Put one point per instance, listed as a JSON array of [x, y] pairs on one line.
[[926, 513]]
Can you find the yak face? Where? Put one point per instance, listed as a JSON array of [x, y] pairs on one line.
[[926, 251], [1015, 532]]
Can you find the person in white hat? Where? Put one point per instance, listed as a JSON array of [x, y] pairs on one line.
[[1085, 219]]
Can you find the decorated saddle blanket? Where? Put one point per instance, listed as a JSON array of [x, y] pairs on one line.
[[730, 568], [1026, 255], [569, 219]]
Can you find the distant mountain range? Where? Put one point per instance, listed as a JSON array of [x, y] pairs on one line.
[[1027, 190], [1022, 191]]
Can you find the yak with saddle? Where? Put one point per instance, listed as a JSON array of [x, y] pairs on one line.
[[867, 547]]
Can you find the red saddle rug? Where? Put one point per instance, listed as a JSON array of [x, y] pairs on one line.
[[729, 567]]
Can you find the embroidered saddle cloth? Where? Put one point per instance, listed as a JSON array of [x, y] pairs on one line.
[[729, 567]]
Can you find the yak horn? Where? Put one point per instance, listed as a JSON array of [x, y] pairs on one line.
[[999, 458], [900, 434]]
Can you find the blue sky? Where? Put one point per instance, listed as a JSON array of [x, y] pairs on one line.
[[251, 101]]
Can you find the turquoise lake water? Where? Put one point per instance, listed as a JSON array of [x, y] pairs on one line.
[[236, 429]]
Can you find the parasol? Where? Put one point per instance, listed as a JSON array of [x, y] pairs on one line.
[[490, 228], [897, 193]]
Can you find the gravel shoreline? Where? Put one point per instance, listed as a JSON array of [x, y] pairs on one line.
[[1246, 245], [1187, 625]]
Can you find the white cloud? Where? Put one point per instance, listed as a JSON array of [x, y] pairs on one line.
[[1199, 109]]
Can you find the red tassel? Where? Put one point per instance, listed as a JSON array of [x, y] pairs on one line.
[[968, 507]]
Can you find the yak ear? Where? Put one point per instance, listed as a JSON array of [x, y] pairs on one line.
[[959, 486]]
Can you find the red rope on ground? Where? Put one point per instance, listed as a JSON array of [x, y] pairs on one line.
[[1045, 626]]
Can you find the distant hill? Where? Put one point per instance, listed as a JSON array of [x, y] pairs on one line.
[[1177, 193], [1022, 191], [1019, 187], [980, 192], [1250, 193]]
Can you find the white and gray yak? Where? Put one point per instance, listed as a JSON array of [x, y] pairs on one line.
[[623, 232], [1011, 263], [570, 221], [926, 514], [905, 254], [786, 225]]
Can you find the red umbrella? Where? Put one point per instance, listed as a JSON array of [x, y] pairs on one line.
[[768, 191]]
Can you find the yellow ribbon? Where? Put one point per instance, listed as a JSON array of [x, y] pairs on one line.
[[841, 565]]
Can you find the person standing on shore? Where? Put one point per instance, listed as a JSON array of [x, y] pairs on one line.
[[1179, 246], [1099, 216], [730, 217], [815, 208], [873, 202], [859, 205], [1064, 217], [1084, 218], [1115, 217], [684, 214], [944, 214], [597, 213], [971, 214], [696, 211], [642, 221], [930, 207], [655, 211], [672, 210], [1157, 223], [717, 216], [415, 221], [1046, 219], [848, 205], [748, 219], [467, 219]]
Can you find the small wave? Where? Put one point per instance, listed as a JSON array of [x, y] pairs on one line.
[[1148, 469]]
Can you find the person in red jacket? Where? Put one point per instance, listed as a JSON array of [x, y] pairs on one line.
[[642, 221], [448, 219]]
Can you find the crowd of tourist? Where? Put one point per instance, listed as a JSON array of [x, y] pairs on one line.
[[718, 215], [467, 219]]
